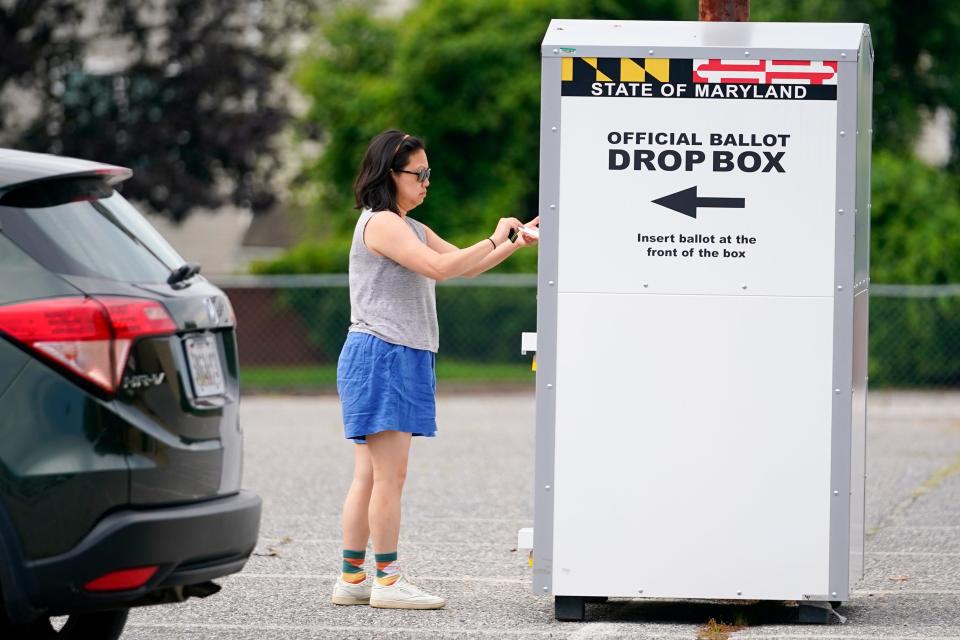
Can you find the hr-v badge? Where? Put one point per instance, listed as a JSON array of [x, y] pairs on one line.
[[142, 380]]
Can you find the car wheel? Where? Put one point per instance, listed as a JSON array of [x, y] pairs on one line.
[[100, 625]]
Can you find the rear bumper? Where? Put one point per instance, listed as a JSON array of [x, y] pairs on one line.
[[190, 544]]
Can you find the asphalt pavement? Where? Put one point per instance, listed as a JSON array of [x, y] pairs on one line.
[[469, 491]]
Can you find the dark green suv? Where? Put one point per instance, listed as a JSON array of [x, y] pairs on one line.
[[120, 444]]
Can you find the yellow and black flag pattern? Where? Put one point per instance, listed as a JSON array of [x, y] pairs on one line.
[[591, 70], [579, 76]]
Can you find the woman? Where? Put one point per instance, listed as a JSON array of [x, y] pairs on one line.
[[385, 375]]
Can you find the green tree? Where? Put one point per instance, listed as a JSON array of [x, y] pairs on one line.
[[915, 206], [915, 212], [915, 215], [916, 63], [464, 75]]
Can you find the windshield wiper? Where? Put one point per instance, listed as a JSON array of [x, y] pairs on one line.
[[184, 272]]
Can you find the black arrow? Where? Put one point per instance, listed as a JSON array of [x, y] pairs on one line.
[[687, 201]]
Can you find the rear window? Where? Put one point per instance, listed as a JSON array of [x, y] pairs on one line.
[[83, 227], [22, 278]]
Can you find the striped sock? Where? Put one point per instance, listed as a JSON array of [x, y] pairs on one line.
[[388, 569], [353, 566]]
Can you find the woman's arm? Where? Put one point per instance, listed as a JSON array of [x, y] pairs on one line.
[[493, 258], [501, 253], [437, 243], [387, 235]]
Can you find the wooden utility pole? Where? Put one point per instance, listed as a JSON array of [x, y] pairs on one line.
[[725, 10]]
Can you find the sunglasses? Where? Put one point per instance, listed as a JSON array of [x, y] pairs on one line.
[[422, 175]]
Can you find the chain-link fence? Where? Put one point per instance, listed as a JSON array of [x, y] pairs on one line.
[[301, 321], [915, 336]]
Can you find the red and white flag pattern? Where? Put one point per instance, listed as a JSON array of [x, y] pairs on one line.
[[765, 71]]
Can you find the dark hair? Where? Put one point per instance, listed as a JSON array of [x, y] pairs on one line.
[[373, 188]]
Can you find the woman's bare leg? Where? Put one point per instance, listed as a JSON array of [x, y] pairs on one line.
[[356, 523], [389, 452]]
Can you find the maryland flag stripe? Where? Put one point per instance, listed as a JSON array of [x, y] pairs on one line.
[[586, 70], [765, 71], [686, 78]]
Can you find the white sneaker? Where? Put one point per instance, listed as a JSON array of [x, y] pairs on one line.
[[346, 593], [403, 595]]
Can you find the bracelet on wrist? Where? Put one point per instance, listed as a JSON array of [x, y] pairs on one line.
[[492, 242]]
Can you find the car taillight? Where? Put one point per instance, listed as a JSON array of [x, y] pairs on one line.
[[88, 336], [123, 580]]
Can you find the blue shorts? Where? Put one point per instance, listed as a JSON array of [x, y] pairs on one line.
[[385, 387]]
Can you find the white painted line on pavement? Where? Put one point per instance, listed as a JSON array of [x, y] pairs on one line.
[[923, 527], [406, 542], [521, 521], [508, 580], [907, 592], [584, 631], [321, 576], [880, 633], [433, 632], [932, 554], [591, 630]]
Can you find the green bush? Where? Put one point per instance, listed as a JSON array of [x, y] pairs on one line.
[[477, 324], [330, 256], [914, 342], [464, 75], [916, 209], [325, 312], [484, 324]]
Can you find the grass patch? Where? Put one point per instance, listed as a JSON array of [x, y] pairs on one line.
[[714, 630], [325, 376], [287, 377], [454, 371]]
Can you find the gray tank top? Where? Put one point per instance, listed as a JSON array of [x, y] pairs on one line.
[[388, 300]]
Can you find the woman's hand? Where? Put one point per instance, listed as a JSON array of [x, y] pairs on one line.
[[523, 240], [504, 227]]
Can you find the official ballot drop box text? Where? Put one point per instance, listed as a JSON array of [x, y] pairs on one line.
[[702, 310]]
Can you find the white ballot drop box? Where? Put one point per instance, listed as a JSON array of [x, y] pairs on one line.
[[702, 311]]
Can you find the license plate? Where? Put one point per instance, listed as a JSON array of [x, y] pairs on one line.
[[204, 366]]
